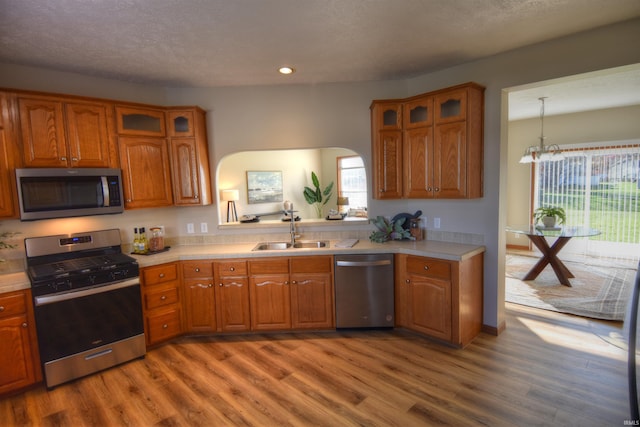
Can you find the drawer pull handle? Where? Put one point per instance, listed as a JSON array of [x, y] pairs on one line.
[[161, 275], [163, 297]]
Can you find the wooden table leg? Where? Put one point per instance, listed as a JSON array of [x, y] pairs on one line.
[[550, 256]]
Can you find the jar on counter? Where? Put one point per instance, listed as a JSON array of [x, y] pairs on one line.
[[156, 241], [414, 228]]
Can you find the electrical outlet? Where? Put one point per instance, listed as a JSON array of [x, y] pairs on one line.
[[190, 228], [436, 222], [517, 235], [204, 228]]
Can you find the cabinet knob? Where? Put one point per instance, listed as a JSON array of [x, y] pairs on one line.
[[165, 326], [196, 197], [232, 269], [74, 159], [429, 189], [294, 282], [407, 281], [128, 200], [197, 270], [64, 159], [24, 324], [437, 189], [163, 297], [210, 285], [221, 285], [161, 275], [426, 267], [381, 190], [1, 308]]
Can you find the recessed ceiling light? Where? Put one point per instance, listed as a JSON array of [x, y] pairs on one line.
[[286, 70]]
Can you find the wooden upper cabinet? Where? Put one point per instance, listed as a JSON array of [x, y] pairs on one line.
[[386, 133], [59, 132], [436, 152], [8, 161], [140, 121], [189, 157], [145, 172]]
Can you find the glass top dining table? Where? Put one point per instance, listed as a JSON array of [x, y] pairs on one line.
[[538, 236]]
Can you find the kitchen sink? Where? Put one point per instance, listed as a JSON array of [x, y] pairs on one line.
[[275, 246], [271, 246], [316, 244]]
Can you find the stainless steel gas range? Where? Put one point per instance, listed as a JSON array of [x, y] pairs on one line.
[[87, 303]]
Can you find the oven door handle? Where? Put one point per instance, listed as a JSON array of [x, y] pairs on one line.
[[50, 299]]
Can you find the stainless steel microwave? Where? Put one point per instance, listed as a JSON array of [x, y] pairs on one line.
[[58, 193]]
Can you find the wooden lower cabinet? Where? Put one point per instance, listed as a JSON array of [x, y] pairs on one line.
[[161, 302], [19, 360], [232, 296], [291, 293], [199, 296], [439, 298]]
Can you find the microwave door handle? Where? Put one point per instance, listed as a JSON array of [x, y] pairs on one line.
[[105, 191]]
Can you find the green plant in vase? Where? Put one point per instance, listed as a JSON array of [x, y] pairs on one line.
[[317, 196], [549, 215]]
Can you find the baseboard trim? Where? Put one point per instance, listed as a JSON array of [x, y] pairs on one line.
[[492, 330], [518, 247]]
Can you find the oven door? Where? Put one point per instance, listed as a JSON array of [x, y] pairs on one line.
[[87, 319]]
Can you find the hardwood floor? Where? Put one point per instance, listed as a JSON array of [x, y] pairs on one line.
[[545, 369]]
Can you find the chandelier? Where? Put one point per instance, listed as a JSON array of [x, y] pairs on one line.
[[541, 152]]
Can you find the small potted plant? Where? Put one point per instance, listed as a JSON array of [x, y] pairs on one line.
[[549, 215]]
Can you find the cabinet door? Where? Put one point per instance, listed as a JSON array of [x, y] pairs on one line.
[[451, 106], [450, 161], [88, 135], [232, 295], [200, 305], [418, 112], [138, 121], [418, 173], [312, 301], [145, 172], [16, 362], [270, 302], [43, 137], [181, 123], [184, 170], [387, 179], [429, 306], [8, 156]]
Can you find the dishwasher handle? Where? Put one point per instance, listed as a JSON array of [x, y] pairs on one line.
[[363, 263]]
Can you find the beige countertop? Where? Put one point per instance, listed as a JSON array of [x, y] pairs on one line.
[[428, 248]]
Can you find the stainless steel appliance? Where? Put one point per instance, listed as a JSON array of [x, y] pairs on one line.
[[364, 291], [87, 303], [56, 193]]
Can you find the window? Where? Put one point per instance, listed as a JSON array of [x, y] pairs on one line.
[[598, 188], [352, 181]]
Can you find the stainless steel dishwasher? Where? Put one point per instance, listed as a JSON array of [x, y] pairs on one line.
[[364, 291]]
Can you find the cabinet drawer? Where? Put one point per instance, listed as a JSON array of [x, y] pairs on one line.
[[13, 304], [164, 325], [161, 297], [232, 268], [197, 269], [315, 264], [159, 274], [269, 266], [429, 267]]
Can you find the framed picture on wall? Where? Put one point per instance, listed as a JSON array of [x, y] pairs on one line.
[[264, 186]]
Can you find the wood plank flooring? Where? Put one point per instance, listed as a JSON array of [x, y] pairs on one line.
[[545, 369]]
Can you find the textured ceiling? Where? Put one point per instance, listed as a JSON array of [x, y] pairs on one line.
[[207, 43]]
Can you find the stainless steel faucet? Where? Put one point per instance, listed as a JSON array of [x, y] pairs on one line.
[[292, 227]]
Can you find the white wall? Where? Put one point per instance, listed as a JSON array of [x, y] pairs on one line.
[[329, 115]]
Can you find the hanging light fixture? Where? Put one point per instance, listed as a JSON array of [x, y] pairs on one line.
[[541, 152]]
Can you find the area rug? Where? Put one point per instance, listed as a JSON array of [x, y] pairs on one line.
[[597, 291]]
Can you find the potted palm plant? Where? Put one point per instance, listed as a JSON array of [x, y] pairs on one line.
[[549, 215], [316, 196]]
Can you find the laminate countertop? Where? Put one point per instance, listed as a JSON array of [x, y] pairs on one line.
[[427, 248]]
